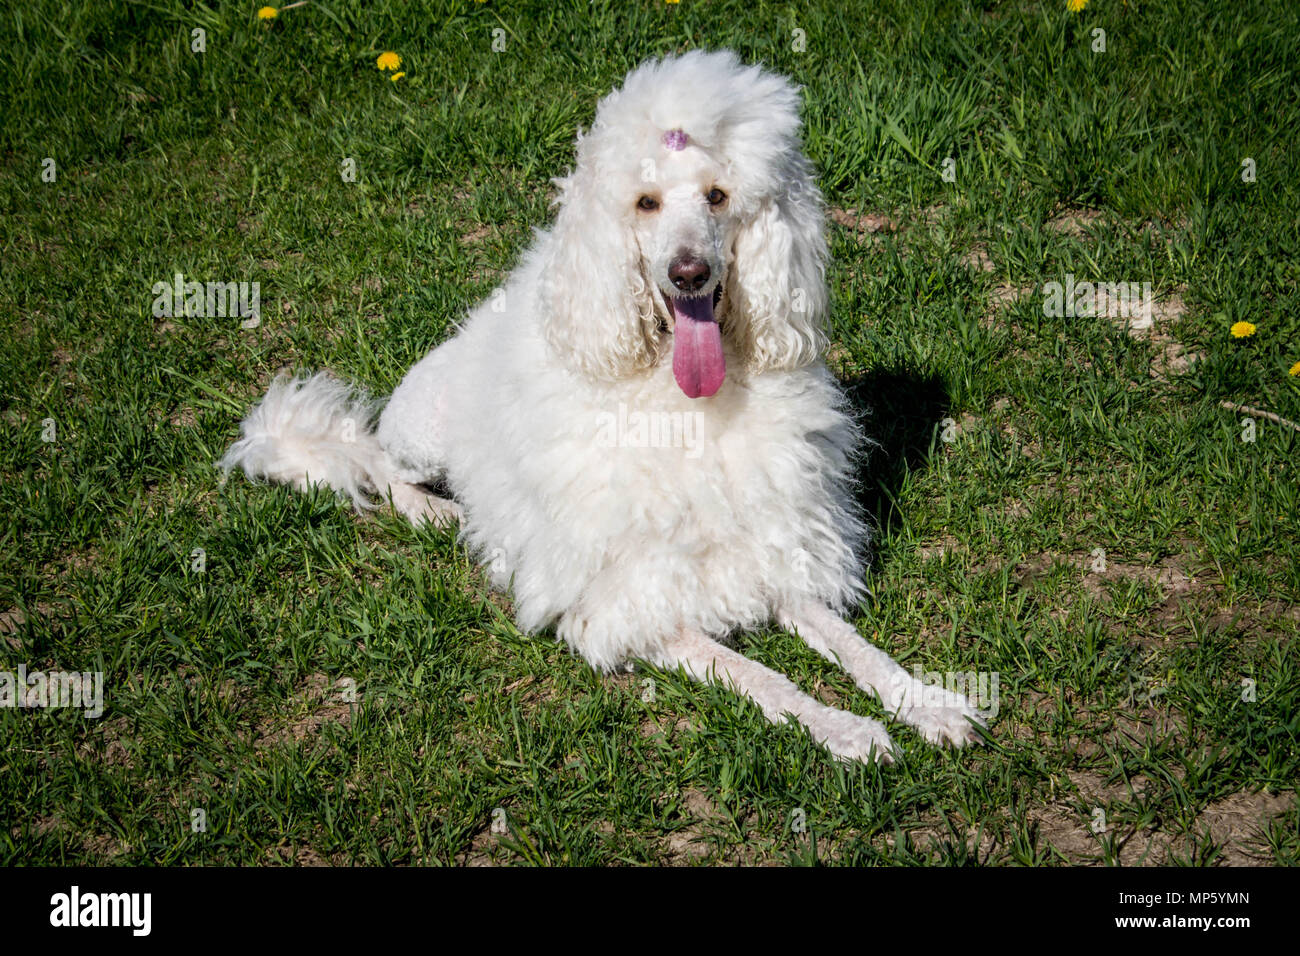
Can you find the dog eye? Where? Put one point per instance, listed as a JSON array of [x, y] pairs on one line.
[[717, 197], [647, 204]]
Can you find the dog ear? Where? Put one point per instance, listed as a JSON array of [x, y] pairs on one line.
[[780, 274], [597, 313]]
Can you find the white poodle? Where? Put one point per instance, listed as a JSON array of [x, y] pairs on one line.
[[637, 429]]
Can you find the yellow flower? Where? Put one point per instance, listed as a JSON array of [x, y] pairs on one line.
[[267, 13], [1241, 330], [1077, 5], [1295, 369], [388, 60], [397, 76]]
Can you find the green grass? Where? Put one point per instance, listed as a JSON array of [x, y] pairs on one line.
[[1120, 691]]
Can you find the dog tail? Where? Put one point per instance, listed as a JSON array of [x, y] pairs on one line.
[[316, 430]]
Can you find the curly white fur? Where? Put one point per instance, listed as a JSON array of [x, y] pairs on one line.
[[640, 522]]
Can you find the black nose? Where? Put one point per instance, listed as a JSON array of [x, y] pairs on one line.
[[688, 273]]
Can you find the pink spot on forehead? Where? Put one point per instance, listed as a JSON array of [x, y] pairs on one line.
[[676, 139]]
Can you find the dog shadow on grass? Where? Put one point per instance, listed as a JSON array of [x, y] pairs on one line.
[[900, 411]]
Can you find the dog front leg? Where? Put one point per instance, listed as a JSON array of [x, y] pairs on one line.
[[420, 507], [941, 715], [845, 735]]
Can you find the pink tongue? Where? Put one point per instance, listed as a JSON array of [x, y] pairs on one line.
[[698, 364]]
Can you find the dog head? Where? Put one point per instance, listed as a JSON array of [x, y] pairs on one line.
[[691, 219]]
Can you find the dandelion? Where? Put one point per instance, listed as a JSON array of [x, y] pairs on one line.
[[397, 76], [270, 13], [1077, 5], [1295, 369], [1242, 330], [388, 60]]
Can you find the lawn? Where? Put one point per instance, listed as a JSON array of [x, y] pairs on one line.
[[1101, 509]]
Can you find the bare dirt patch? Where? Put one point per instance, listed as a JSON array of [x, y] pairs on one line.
[[1075, 222], [316, 702], [1097, 567], [978, 258], [41, 826], [996, 419], [1235, 825], [119, 743], [955, 428], [692, 842], [10, 622], [484, 847], [474, 235], [1168, 576], [296, 855], [104, 846], [1183, 591], [370, 283], [938, 830], [946, 545], [668, 726], [183, 417], [1173, 583], [1152, 325], [865, 224], [1002, 297], [1087, 812]]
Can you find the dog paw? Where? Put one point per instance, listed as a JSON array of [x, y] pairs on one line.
[[420, 507], [440, 513], [944, 717], [850, 737]]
